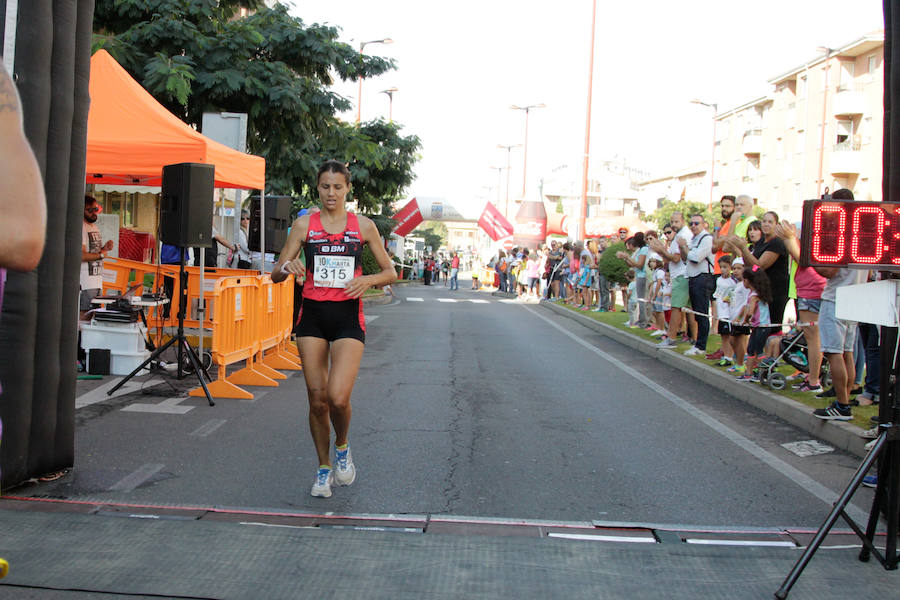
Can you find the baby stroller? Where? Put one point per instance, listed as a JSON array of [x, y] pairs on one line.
[[793, 352]]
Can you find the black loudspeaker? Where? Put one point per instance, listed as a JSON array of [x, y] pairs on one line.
[[185, 217], [98, 361], [278, 220]]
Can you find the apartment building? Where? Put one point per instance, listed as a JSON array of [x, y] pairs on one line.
[[819, 129]]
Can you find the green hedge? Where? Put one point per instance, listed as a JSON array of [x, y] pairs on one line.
[[612, 267]]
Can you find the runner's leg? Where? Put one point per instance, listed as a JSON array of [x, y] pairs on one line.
[[346, 354], [314, 354]]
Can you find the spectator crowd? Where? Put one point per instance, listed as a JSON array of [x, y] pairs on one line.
[[736, 277]]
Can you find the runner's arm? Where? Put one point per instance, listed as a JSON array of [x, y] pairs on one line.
[[289, 261], [358, 285], [24, 223]]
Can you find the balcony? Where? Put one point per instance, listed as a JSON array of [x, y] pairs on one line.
[[846, 159], [752, 143], [849, 100]]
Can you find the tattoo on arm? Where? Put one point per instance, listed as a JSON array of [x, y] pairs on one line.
[[9, 98]]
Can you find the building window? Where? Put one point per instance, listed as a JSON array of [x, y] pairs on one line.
[[872, 64]]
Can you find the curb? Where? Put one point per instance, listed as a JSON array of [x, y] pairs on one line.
[[839, 434]]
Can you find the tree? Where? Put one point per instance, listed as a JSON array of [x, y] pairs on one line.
[[432, 237], [200, 56], [687, 208]]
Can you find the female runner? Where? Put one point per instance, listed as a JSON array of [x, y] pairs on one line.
[[331, 321]]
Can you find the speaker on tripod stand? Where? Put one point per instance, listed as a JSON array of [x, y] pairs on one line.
[[185, 221]]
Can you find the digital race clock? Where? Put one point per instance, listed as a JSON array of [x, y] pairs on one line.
[[845, 233]]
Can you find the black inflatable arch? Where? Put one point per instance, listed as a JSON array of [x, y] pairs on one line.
[[38, 327]]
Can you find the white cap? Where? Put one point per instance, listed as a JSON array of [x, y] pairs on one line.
[[737, 261]]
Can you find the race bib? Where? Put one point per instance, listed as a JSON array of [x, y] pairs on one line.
[[333, 271]]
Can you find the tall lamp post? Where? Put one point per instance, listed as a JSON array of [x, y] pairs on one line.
[[390, 95], [527, 109], [587, 132], [499, 173], [359, 77], [712, 164], [828, 52], [508, 149]]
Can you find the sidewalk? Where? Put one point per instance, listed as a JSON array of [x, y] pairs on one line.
[[842, 435]]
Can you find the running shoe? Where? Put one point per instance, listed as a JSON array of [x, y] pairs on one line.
[[693, 351], [322, 486], [715, 355], [870, 481], [806, 387], [724, 362], [747, 377], [834, 412], [870, 434], [658, 333], [344, 469], [666, 344], [737, 369]]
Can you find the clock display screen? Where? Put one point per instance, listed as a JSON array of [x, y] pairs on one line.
[[845, 233]]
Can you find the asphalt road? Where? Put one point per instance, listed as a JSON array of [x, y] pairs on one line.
[[468, 404]]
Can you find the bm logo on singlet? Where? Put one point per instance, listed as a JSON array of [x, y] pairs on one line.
[[332, 249]]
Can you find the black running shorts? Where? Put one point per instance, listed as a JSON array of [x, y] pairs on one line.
[[332, 320]]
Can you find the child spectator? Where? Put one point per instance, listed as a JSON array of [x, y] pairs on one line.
[[739, 333], [723, 295], [631, 300], [657, 278], [667, 297], [756, 313]]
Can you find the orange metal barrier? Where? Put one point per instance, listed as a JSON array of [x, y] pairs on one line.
[[276, 310], [192, 315], [252, 315], [235, 337], [117, 276]]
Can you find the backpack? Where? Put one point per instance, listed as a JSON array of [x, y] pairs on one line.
[[503, 265]]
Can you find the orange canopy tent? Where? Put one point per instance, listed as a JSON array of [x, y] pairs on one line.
[[131, 136]]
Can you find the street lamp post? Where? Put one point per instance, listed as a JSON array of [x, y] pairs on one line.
[[828, 53], [390, 95], [359, 77], [508, 149], [527, 109], [499, 173], [712, 164], [587, 132]]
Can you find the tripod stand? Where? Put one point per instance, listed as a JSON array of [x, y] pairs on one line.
[[184, 349], [887, 492]]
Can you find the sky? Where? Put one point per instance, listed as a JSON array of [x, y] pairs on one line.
[[460, 65]]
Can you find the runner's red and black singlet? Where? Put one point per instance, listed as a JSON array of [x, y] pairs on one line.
[[332, 260]]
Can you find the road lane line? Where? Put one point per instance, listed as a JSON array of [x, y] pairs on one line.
[[208, 427], [130, 482], [478, 301], [446, 300], [98, 394], [415, 300], [801, 479], [170, 406]]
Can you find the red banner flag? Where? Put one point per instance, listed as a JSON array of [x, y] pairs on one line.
[[408, 218], [494, 223]]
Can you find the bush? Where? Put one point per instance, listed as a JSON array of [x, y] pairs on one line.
[[369, 264], [612, 267]]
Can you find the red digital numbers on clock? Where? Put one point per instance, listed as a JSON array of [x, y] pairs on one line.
[[841, 233]]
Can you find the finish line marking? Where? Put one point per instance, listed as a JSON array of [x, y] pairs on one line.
[[801, 479]]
